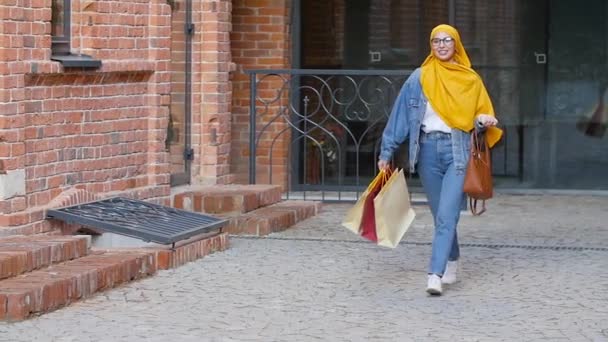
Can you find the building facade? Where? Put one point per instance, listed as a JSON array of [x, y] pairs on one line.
[[542, 62], [104, 97]]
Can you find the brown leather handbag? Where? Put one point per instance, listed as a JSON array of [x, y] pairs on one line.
[[478, 179]]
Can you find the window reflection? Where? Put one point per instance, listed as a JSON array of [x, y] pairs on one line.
[[57, 18], [545, 68], [340, 34]]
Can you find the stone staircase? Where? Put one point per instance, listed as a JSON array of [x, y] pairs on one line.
[[251, 209]]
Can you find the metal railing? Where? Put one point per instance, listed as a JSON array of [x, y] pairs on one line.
[[319, 131]]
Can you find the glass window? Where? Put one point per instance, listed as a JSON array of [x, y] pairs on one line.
[[544, 62], [379, 34], [573, 140], [60, 26], [357, 34]]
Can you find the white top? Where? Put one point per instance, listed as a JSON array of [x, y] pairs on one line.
[[432, 122]]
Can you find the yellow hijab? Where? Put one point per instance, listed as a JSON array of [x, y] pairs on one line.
[[455, 90]]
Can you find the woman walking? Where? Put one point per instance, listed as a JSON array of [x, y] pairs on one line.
[[438, 107]]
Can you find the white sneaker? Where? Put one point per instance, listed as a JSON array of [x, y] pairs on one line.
[[433, 286], [449, 276]]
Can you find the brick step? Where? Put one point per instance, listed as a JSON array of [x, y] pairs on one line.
[[58, 285], [21, 254], [227, 199], [273, 218], [188, 250]]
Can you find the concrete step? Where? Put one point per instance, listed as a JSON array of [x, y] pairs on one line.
[[58, 285], [273, 218], [21, 254], [227, 199]]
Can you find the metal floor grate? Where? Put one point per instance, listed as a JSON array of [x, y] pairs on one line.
[[138, 219]]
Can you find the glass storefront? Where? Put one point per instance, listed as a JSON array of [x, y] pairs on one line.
[[544, 62]]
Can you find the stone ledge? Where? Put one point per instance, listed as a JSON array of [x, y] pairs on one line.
[[272, 218], [108, 66], [227, 199], [58, 285], [21, 254], [12, 184]]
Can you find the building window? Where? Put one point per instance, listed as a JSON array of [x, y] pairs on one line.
[[60, 26]]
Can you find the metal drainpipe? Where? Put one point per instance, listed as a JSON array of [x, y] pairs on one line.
[[252, 128], [188, 92]]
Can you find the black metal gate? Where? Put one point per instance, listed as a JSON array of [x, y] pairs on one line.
[[319, 131]]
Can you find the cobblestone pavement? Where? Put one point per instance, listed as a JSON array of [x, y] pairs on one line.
[[318, 282]]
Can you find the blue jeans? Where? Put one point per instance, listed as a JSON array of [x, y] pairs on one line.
[[443, 186]]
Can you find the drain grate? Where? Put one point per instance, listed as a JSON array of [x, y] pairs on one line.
[[138, 219]]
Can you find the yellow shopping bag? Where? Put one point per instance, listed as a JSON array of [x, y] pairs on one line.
[[354, 216], [394, 214]]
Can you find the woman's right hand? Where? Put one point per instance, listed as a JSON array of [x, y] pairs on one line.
[[383, 164]]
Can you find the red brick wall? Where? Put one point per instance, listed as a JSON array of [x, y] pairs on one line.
[[102, 131], [260, 40]]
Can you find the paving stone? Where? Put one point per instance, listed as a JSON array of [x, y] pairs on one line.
[[319, 282]]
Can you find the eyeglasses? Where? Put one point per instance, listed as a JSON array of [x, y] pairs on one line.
[[447, 41]]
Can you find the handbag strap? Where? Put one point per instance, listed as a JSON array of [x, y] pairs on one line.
[[473, 206], [478, 142]]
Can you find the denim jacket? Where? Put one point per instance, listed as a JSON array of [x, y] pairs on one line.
[[405, 121]]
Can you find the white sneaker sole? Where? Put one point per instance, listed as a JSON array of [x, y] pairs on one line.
[[433, 292]]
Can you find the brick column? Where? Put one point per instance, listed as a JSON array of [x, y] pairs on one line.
[[158, 99], [260, 40], [20, 40], [212, 92]]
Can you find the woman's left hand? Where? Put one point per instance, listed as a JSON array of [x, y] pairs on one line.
[[486, 120]]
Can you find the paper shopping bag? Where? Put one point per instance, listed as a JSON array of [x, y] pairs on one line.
[[354, 216], [394, 214], [368, 221]]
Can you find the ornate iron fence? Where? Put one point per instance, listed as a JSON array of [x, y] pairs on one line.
[[318, 132]]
